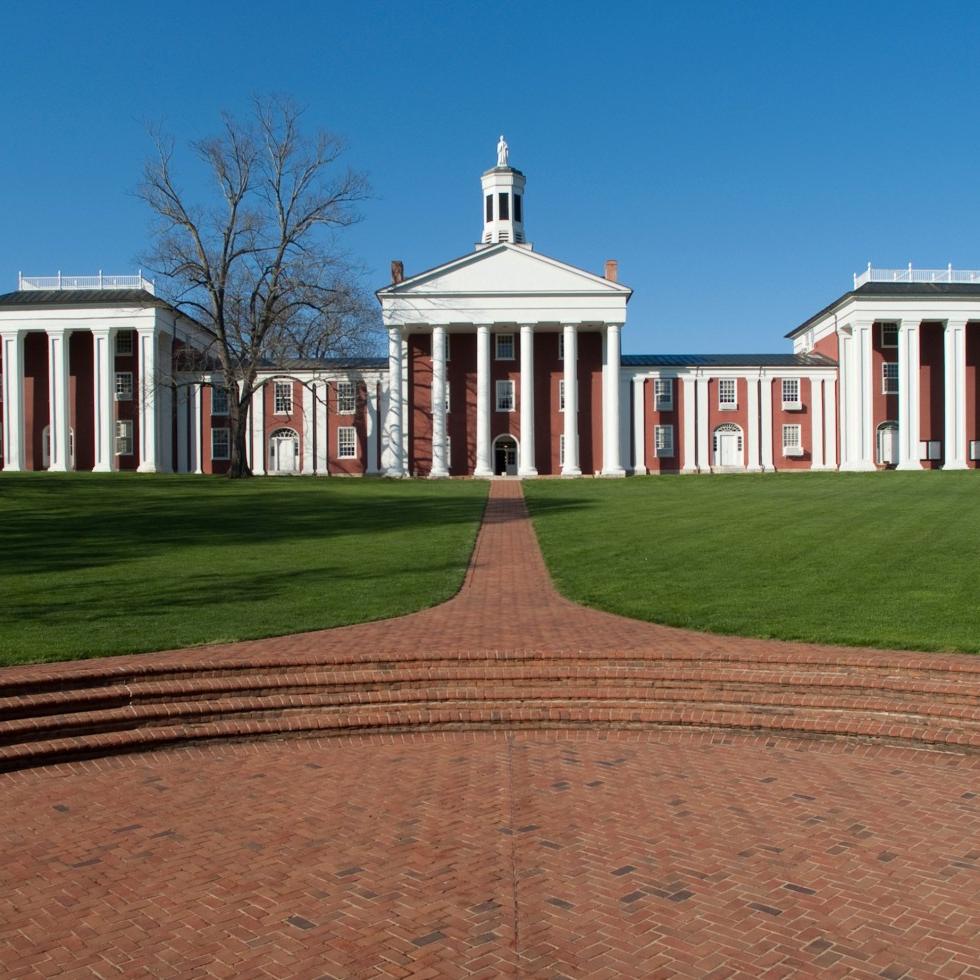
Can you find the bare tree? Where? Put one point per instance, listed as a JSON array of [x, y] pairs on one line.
[[259, 265]]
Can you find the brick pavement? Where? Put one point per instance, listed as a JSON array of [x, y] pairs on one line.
[[593, 853]]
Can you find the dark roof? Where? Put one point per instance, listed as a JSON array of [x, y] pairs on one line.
[[81, 297], [727, 360], [931, 290], [335, 363]]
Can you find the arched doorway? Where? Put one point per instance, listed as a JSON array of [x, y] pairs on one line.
[[284, 451], [728, 446], [888, 444], [505, 456]]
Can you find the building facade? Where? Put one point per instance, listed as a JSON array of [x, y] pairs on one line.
[[501, 361]]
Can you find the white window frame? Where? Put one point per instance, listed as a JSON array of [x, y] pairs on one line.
[[123, 389], [561, 394], [282, 394], [506, 388], [346, 398], [891, 326], [446, 348], [889, 373], [723, 405], [347, 442], [662, 402], [448, 401], [215, 454], [217, 409], [499, 339], [123, 434], [121, 349], [791, 403], [792, 439], [663, 441], [561, 448]]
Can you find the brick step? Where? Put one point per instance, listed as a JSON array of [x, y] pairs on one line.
[[485, 716], [34, 697], [19, 681], [145, 715]]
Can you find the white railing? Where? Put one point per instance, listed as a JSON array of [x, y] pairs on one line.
[[85, 282], [908, 274]]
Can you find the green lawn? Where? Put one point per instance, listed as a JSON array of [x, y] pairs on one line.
[[99, 564], [878, 559]]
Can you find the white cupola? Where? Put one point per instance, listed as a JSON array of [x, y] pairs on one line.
[[503, 202]]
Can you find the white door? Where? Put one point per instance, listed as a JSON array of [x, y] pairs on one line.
[[728, 454], [284, 452], [888, 448]]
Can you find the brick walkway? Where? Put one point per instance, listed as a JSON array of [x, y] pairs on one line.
[[657, 852]]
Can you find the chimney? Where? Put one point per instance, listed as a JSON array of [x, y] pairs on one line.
[[612, 270], [397, 271]]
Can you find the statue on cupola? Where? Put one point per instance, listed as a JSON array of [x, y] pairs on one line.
[[503, 151]]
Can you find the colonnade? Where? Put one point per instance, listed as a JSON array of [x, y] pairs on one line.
[[395, 462]]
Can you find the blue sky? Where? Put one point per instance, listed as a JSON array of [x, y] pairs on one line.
[[740, 160]]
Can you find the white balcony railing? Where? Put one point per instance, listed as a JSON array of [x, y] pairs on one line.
[[908, 274], [99, 281]]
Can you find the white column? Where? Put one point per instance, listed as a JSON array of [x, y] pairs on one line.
[[830, 424], [197, 451], [147, 401], [765, 423], [610, 404], [704, 437], [570, 344], [754, 425], [260, 450], [439, 469], [816, 424], [13, 400], [395, 461], [690, 462], [183, 429], [309, 423], [639, 427], [908, 395], [863, 331], [103, 398], [322, 449], [483, 468], [59, 421], [526, 467], [165, 404], [371, 427], [954, 444]]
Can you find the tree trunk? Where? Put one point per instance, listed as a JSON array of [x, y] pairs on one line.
[[238, 467]]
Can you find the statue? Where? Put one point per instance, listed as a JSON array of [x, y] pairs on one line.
[[502, 151]]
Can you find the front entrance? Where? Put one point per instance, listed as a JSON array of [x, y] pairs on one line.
[[888, 444], [728, 446], [505, 456], [283, 451]]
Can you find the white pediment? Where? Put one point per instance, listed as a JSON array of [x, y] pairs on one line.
[[505, 270]]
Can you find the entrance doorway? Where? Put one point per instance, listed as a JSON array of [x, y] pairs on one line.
[[888, 443], [728, 446], [505, 456], [284, 451]]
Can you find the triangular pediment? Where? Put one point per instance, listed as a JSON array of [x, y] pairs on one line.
[[504, 270]]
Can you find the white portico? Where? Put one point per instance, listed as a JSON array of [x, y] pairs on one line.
[[505, 296]]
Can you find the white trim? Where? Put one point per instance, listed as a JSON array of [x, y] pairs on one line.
[[508, 396], [349, 432], [227, 452]]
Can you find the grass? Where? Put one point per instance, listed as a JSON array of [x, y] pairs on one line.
[[864, 559], [97, 564]]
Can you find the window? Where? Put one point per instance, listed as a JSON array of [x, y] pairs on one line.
[[889, 335], [124, 437], [663, 440], [220, 444], [503, 207], [663, 394], [124, 343], [449, 453], [489, 207], [933, 449], [505, 396], [346, 399], [792, 441], [517, 208], [561, 394], [726, 393], [124, 386], [346, 442], [791, 392], [448, 403], [561, 449], [284, 398], [446, 342], [889, 379], [505, 346], [219, 400]]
